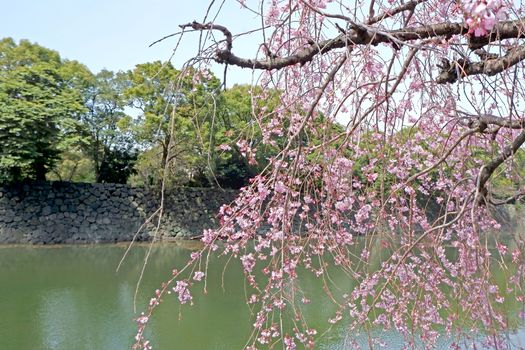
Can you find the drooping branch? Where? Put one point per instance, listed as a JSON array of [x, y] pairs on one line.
[[409, 6]]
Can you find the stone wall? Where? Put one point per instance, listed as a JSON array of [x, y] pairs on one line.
[[63, 212]]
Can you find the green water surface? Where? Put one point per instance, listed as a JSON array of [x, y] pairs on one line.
[[71, 297]]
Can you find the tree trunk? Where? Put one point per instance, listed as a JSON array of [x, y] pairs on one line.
[[40, 171], [164, 159], [96, 159]]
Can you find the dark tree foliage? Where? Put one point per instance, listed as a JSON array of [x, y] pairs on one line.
[[36, 101], [117, 166]]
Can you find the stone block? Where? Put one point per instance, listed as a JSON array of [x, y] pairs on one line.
[[46, 210]]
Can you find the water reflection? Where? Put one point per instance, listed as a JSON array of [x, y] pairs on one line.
[[57, 313]]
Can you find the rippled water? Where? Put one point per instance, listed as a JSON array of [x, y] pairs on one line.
[[71, 297]]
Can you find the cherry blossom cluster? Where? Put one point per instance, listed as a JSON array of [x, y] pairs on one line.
[[482, 15]]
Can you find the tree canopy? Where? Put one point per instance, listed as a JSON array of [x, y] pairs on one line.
[[37, 105], [146, 126]]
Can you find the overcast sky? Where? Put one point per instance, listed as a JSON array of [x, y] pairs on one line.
[[115, 34]]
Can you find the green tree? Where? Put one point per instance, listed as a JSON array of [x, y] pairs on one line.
[[73, 165], [174, 119], [203, 149], [105, 102], [237, 108], [37, 104], [117, 165]]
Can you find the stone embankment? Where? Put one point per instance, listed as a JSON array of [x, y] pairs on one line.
[[63, 212]]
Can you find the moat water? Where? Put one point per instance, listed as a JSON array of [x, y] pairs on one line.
[[71, 297]]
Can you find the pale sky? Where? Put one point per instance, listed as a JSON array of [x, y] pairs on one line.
[[115, 34]]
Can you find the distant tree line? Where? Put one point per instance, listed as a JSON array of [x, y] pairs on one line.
[[60, 121]]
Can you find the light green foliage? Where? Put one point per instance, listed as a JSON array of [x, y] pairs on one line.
[[150, 92], [148, 170], [238, 107], [73, 165], [175, 120], [204, 119], [511, 177], [37, 104]]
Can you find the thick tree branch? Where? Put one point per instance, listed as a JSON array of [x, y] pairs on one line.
[[509, 200], [358, 36], [491, 166], [369, 35], [461, 68], [474, 121], [211, 26], [504, 30], [409, 6]]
